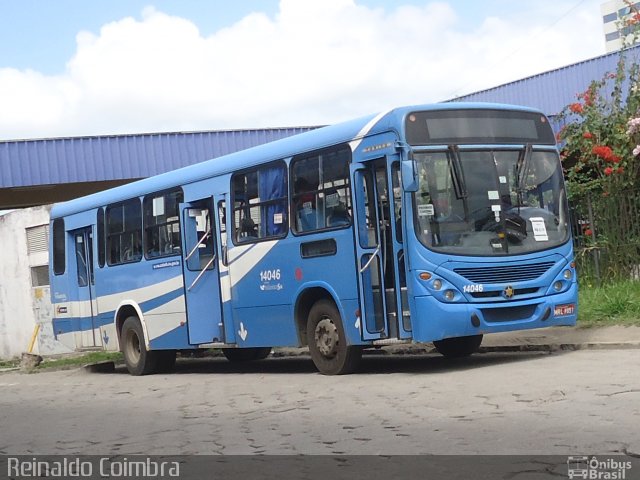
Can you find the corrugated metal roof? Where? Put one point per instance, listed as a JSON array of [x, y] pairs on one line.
[[551, 91], [103, 158], [118, 157]]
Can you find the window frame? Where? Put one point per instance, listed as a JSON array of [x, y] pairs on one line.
[[151, 196], [108, 235], [39, 272], [59, 245], [101, 237], [292, 207], [285, 199], [221, 210]]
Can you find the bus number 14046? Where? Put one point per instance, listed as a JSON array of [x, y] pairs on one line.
[[473, 288], [268, 275]]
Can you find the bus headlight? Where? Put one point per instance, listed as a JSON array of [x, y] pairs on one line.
[[567, 274], [557, 286], [449, 295], [437, 284]]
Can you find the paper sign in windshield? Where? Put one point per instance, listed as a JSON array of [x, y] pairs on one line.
[[332, 200], [425, 210], [539, 229]]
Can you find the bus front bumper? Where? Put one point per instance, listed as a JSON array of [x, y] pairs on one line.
[[435, 320]]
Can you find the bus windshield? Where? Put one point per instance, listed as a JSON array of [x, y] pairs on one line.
[[490, 202]]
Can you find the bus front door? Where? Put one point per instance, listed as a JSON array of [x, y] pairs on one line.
[[86, 305], [201, 280], [379, 249], [373, 324]]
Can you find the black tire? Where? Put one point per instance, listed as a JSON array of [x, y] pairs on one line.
[[459, 346], [138, 359], [328, 343], [246, 354], [165, 361]]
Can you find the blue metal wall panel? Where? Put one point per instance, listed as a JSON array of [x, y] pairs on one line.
[[89, 159], [551, 91]]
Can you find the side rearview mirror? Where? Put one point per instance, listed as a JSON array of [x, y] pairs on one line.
[[409, 174]]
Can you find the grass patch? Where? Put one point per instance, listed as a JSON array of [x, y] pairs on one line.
[[79, 360], [615, 304], [9, 363]]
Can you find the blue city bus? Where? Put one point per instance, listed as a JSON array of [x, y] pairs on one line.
[[437, 223]]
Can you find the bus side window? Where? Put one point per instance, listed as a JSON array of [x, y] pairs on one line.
[[260, 203], [100, 235], [81, 261], [124, 232], [222, 215], [58, 246], [321, 192], [162, 224], [200, 245]]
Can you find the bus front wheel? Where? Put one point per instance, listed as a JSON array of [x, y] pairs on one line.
[[327, 342], [459, 346], [138, 359]]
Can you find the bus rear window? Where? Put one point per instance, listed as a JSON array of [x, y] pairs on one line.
[[58, 246]]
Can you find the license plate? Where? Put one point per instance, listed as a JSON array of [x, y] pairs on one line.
[[564, 310]]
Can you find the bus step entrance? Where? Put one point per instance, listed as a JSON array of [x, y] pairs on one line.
[[390, 294]]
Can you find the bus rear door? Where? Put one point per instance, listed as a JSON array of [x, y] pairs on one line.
[[200, 267], [85, 308]]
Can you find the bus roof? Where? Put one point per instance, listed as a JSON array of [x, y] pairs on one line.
[[276, 150]]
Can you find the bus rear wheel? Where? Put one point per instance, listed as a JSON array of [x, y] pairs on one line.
[[328, 343], [138, 359], [459, 346], [246, 354]]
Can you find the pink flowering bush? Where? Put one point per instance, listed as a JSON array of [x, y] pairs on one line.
[[600, 152], [600, 140]]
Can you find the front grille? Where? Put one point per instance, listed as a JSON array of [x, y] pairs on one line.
[[498, 293], [504, 274]]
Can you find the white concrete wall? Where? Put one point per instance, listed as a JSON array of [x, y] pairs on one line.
[[21, 305]]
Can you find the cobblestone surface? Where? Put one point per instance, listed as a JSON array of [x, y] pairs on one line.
[[565, 403]]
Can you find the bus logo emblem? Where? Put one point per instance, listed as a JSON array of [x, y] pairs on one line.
[[508, 292]]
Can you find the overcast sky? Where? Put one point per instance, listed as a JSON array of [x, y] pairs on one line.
[[78, 67]]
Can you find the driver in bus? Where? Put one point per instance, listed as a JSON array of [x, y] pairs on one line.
[[305, 204]]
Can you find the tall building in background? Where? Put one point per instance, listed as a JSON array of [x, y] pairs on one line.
[[619, 19]]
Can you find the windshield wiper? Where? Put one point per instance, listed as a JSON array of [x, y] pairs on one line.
[[522, 169], [457, 175], [456, 170]]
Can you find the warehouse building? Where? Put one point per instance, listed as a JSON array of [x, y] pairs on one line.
[[34, 173]]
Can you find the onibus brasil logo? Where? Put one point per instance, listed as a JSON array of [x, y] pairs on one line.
[[592, 468]]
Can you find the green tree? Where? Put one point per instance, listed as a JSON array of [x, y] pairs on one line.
[[600, 151]]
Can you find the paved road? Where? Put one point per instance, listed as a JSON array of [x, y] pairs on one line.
[[579, 402]]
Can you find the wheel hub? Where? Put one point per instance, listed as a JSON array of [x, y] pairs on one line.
[[133, 346], [326, 336]]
